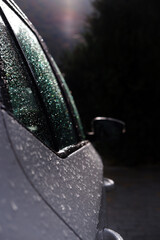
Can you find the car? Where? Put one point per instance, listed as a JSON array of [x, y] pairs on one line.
[[51, 177]]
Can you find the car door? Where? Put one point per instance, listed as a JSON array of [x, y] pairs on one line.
[[44, 128], [23, 212]]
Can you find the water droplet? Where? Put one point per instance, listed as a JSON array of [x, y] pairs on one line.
[[12, 184], [78, 176], [19, 147], [37, 198], [63, 178], [69, 208], [49, 168], [26, 191], [57, 162], [57, 184], [63, 196], [77, 195], [69, 186], [14, 206], [41, 174], [62, 207], [83, 167], [49, 158], [80, 189], [42, 214], [65, 233]]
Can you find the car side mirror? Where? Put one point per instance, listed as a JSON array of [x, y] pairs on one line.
[[108, 129]]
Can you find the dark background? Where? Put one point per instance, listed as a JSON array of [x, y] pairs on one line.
[[109, 52], [60, 22]]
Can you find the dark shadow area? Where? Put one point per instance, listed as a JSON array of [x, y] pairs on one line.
[[115, 73], [114, 69], [134, 206]]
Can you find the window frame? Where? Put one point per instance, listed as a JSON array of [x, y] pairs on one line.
[[69, 149]]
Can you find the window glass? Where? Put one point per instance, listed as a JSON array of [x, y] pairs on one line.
[[22, 98], [64, 131], [74, 108]]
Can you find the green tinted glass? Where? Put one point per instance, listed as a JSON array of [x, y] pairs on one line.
[[74, 108], [22, 97], [58, 113]]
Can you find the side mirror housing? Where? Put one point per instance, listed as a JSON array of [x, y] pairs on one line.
[[106, 129]]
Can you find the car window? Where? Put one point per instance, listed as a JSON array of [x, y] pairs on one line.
[[17, 91], [74, 108], [58, 113]]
